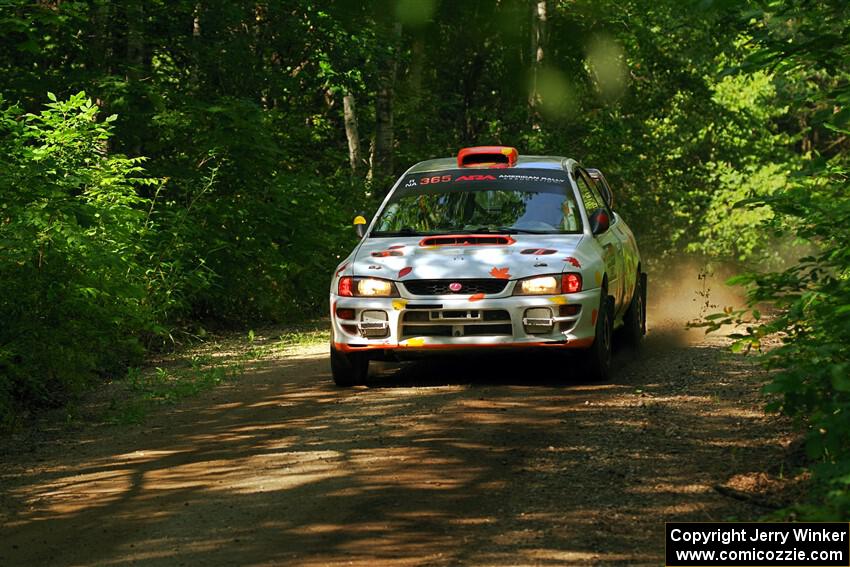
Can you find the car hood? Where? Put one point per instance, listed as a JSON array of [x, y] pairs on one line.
[[512, 257]]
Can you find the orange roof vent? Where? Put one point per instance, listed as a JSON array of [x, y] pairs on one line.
[[487, 156]]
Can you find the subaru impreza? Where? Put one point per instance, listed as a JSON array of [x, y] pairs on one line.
[[489, 250]]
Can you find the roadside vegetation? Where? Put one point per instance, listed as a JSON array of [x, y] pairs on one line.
[[169, 169]]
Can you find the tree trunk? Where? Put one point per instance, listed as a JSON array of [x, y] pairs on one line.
[[100, 39], [417, 63], [381, 159], [195, 49], [355, 158], [135, 39], [538, 41]]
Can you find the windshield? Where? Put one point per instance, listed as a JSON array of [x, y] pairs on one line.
[[535, 202]]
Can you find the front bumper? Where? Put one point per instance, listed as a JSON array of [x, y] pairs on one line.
[[453, 323]]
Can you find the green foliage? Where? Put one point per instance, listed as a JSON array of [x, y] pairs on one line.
[[810, 300], [158, 386], [72, 227]]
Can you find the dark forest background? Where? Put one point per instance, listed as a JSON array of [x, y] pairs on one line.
[[167, 167]]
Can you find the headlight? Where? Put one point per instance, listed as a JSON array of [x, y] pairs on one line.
[[549, 285], [541, 285], [366, 287], [371, 287]]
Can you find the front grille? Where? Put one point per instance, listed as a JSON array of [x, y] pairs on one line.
[[468, 287], [456, 323]]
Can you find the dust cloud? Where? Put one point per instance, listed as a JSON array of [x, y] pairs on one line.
[[684, 293]]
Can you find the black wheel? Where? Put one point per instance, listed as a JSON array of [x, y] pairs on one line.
[[349, 369], [634, 321], [598, 356]]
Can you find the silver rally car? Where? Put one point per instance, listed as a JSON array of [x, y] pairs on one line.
[[489, 250]]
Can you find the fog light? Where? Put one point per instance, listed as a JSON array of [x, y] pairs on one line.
[[374, 324], [569, 310], [344, 313], [538, 320]]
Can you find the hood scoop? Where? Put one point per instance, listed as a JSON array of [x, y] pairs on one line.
[[467, 240]]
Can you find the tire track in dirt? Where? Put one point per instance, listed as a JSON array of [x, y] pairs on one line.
[[472, 460]]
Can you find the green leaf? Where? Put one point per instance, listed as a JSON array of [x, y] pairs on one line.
[[841, 378]]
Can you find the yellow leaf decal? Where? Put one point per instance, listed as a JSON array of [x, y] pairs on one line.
[[559, 300], [398, 304], [598, 278], [418, 341]]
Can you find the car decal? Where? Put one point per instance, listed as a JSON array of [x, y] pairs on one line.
[[500, 273], [539, 251], [475, 178], [404, 271], [435, 179], [573, 261]]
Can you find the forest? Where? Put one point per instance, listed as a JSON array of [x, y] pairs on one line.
[[168, 168]]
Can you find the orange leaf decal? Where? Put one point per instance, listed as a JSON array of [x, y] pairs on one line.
[[573, 261], [593, 316], [476, 297], [500, 273], [404, 271]]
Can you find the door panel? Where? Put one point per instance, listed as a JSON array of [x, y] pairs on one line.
[[611, 241]]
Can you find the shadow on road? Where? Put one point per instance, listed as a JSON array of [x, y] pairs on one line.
[[470, 461]]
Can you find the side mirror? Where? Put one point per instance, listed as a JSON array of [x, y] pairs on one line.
[[599, 221], [360, 225]]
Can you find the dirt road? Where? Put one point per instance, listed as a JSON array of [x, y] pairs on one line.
[[477, 461]]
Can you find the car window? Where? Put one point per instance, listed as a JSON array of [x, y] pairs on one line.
[[590, 195], [535, 201], [602, 187]]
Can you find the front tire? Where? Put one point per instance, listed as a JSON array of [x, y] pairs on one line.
[[349, 369], [598, 356]]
